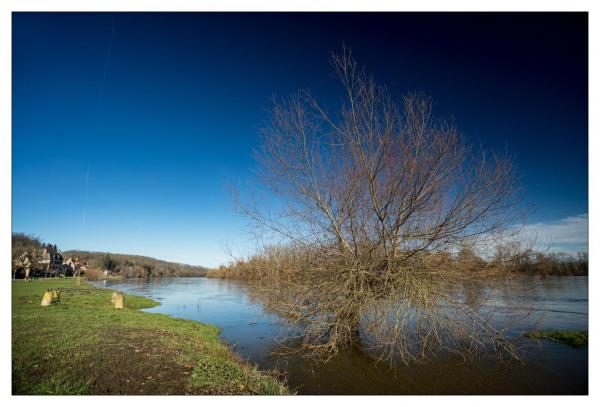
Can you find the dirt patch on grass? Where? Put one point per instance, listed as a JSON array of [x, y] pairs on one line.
[[132, 361]]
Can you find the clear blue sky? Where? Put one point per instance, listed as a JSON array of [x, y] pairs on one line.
[[126, 127]]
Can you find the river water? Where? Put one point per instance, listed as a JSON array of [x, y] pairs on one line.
[[551, 303]]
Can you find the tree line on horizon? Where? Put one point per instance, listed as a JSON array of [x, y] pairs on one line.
[[506, 261], [125, 265], [136, 266]]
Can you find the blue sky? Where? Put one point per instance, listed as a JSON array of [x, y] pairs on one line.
[[127, 127]]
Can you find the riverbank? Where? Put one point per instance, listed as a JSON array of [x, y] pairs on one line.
[[82, 345], [552, 304]]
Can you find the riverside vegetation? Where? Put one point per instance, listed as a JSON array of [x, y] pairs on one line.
[[82, 345], [576, 339], [378, 208]]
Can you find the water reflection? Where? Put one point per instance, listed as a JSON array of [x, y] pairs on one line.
[[549, 303]]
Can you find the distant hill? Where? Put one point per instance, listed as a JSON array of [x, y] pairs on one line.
[[131, 266]]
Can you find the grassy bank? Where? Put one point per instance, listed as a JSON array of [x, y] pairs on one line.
[[82, 345], [576, 339]]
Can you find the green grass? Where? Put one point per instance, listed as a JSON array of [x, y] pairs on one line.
[[575, 339], [82, 345]]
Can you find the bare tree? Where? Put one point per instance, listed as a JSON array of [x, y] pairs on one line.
[[373, 201]]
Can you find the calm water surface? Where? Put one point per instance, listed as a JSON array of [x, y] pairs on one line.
[[552, 303]]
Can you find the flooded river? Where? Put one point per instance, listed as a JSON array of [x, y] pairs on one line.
[[552, 303]]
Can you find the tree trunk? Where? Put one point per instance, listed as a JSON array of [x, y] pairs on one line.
[[355, 339], [351, 319]]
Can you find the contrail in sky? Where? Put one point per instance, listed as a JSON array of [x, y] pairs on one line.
[[87, 177]]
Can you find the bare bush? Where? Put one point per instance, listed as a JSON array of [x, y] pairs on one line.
[[517, 257], [94, 274], [372, 202]]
